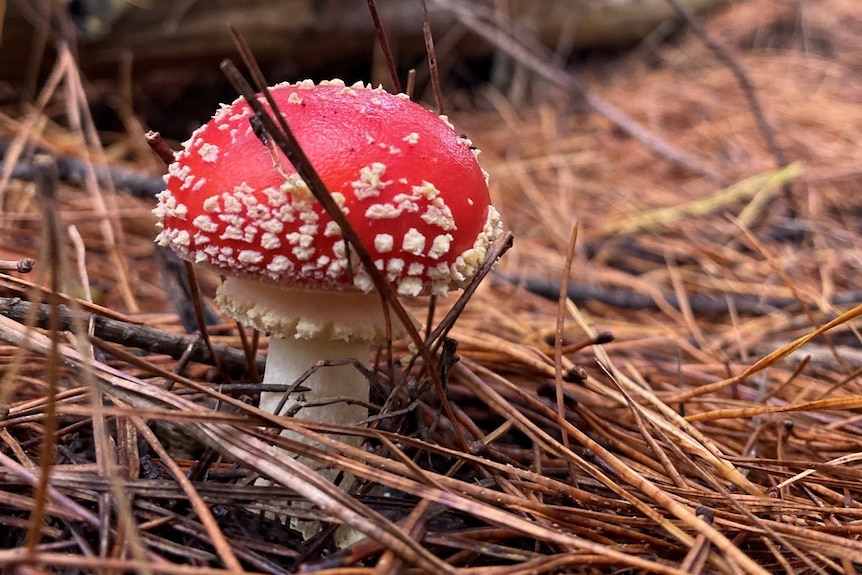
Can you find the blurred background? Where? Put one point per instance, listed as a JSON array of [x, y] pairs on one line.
[[171, 48]]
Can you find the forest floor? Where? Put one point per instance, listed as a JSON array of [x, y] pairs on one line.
[[692, 406]]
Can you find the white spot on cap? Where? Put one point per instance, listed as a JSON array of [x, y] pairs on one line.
[[440, 272], [363, 281], [209, 153], [339, 250], [440, 246], [294, 98], [272, 226], [181, 238], [237, 116], [338, 198], [410, 287], [258, 212], [300, 239], [414, 242], [279, 264], [438, 214], [383, 243], [296, 186], [205, 224], [412, 138], [211, 204], [303, 253], [233, 233], [232, 205], [308, 215], [426, 189], [250, 256], [269, 241], [369, 183], [395, 266], [336, 268], [382, 212]]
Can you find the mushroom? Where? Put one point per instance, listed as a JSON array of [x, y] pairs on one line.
[[407, 182]]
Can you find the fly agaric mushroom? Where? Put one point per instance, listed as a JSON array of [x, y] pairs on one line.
[[407, 182]]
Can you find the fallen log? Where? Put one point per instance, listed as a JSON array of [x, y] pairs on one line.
[[306, 35]]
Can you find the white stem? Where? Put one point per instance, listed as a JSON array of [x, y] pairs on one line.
[[289, 358], [307, 328]]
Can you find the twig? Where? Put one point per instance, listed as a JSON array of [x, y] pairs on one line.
[[559, 395], [432, 59], [181, 280], [83, 279], [22, 266], [384, 45], [494, 253], [73, 170], [157, 145], [700, 303], [175, 284], [130, 335], [46, 188], [200, 316]]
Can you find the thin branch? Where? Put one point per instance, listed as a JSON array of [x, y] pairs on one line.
[[384, 45], [74, 170], [46, 188], [22, 266], [432, 59], [494, 253], [701, 303], [127, 334]]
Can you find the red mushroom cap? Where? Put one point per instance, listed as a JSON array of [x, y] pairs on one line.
[[407, 182]]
